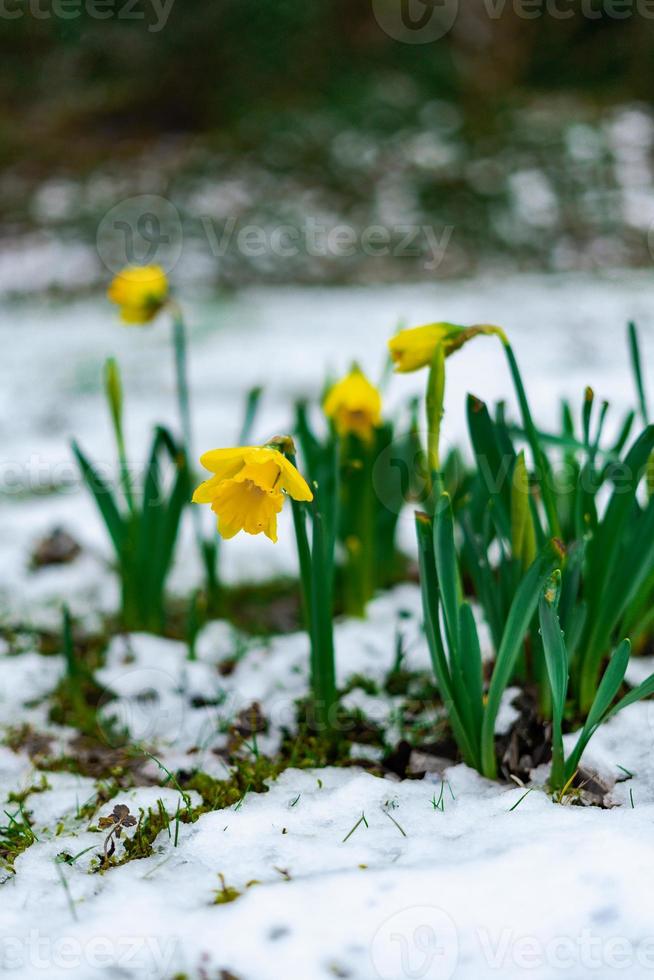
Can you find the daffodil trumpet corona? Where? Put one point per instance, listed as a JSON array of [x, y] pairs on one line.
[[247, 488], [354, 405]]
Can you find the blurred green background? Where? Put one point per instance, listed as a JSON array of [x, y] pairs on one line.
[[530, 136]]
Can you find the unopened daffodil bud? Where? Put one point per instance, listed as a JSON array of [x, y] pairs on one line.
[[354, 405], [140, 292], [414, 348], [114, 392], [247, 489]]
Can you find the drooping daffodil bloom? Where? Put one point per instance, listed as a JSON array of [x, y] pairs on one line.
[[354, 405], [247, 489], [140, 292], [414, 348]]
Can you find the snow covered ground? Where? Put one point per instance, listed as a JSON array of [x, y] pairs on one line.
[[568, 331], [449, 876]]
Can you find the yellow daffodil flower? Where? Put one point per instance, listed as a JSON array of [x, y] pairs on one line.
[[414, 348], [354, 405], [140, 291], [247, 489]]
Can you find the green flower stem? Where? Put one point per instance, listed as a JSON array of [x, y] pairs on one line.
[[208, 549], [434, 405], [358, 522], [304, 553], [316, 587], [181, 376], [114, 394], [540, 460], [124, 471], [322, 586]]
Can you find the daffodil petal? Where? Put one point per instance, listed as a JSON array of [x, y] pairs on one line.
[[354, 405], [206, 492], [216, 459], [292, 481]]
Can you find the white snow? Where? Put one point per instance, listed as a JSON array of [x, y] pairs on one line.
[[448, 876]]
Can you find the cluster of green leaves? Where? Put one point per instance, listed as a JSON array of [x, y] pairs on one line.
[[603, 705], [605, 524], [364, 484], [316, 561], [143, 526], [583, 512], [354, 513], [454, 642]]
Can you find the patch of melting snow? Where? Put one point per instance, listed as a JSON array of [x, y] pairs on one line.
[[339, 872], [447, 876], [489, 885]]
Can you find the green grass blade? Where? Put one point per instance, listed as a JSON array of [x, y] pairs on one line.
[[471, 665], [251, 408], [636, 367], [644, 690], [446, 568], [605, 600], [556, 662], [495, 466], [517, 624], [477, 565], [606, 692], [178, 499], [104, 499], [465, 738]]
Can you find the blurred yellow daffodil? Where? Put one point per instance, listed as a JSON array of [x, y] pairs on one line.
[[247, 489], [354, 405], [414, 348], [139, 291]]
